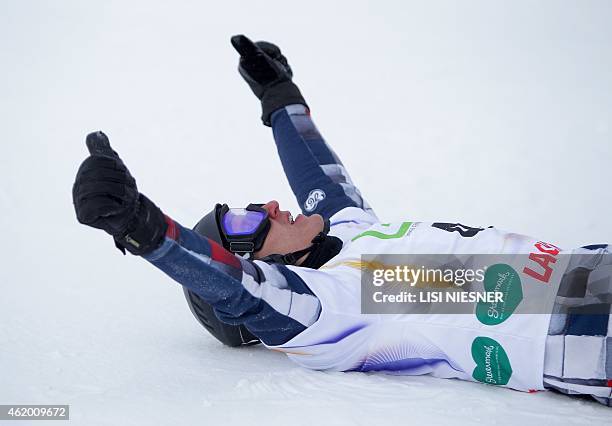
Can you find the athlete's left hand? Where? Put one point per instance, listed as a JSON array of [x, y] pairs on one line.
[[268, 74]]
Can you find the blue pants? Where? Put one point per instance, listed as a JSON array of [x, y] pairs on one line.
[[578, 356]]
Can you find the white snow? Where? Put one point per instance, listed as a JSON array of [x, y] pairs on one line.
[[484, 112]]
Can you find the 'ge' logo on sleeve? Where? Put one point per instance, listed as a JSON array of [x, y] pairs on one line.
[[314, 198]]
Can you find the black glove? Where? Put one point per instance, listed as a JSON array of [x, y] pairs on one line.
[[105, 196], [267, 72]]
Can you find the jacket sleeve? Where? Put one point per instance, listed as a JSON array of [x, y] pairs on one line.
[[270, 300], [316, 174]]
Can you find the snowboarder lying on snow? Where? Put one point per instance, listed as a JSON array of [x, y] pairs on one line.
[[258, 274]]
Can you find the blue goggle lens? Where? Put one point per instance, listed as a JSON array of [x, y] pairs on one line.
[[242, 221]]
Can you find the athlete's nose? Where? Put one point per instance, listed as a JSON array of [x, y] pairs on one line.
[[273, 208]]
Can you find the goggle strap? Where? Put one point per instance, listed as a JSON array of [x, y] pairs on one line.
[[241, 246]]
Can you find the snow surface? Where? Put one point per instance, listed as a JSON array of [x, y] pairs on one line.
[[483, 112]]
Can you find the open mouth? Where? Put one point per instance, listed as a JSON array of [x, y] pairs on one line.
[[291, 221]]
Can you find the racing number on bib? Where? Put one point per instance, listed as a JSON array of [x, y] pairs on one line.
[[465, 231]]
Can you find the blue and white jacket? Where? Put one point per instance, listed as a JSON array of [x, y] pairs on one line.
[[315, 316], [272, 301]]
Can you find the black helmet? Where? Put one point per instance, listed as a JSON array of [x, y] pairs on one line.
[[323, 248], [230, 335]]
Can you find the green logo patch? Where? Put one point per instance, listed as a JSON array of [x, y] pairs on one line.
[[492, 363], [404, 227], [500, 278]]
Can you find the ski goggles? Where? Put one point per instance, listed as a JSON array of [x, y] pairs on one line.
[[245, 229]]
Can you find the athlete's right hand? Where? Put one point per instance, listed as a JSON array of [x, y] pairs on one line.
[[105, 196], [104, 193]]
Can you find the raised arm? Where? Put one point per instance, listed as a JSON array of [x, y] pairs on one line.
[[271, 301], [316, 174], [317, 177]]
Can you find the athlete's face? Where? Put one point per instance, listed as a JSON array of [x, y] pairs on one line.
[[288, 234]]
